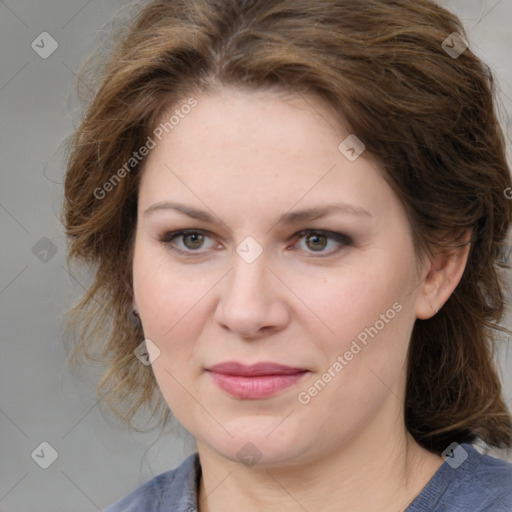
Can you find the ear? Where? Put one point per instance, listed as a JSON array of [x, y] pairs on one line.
[[135, 308], [443, 274]]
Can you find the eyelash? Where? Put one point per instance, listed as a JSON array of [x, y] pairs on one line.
[[345, 240]]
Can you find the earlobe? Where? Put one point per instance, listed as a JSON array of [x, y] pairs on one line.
[[135, 309], [444, 274]]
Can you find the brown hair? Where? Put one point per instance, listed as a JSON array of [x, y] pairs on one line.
[[427, 117]]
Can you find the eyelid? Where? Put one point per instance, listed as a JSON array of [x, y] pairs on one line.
[[341, 238], [166, 238]]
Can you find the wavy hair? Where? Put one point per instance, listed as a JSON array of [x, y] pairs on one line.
[[426, 116]]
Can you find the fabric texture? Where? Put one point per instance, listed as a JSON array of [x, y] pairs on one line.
[[473, 483]]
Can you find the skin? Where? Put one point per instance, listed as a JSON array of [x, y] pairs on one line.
[[247, 158]]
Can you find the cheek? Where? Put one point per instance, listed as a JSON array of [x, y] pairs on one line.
[[352, 301], [169, 305], [166, 294], [369, 313], [363, 364]]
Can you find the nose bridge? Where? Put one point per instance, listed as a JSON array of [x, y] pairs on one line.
[[250, 272], [249, 281], [249, 300]]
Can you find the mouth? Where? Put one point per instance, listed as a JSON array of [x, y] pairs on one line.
[[255, 381]]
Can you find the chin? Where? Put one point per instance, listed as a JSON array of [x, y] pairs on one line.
[[257, 442]]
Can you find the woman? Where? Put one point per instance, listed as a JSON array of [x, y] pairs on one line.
[[296, 211]]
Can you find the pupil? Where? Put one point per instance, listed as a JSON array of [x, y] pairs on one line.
[[196, 240], [316, 244]]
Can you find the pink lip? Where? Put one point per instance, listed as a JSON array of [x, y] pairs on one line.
[[254, 381]]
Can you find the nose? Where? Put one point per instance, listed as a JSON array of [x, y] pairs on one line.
[[252, 300]]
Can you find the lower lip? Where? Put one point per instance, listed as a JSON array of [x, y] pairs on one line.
[[260, 386]]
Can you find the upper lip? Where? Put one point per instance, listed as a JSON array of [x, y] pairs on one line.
[[253, 370]]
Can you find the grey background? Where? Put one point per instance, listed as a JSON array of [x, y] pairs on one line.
[[40, 400]]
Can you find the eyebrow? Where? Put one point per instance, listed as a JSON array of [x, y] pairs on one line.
[[294, 217]]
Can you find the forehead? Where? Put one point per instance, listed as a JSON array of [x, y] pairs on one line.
[[242, 120], [259, 148]]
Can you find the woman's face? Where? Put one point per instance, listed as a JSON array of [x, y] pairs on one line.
[[326, 299]]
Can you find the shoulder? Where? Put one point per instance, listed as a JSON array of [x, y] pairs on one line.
[[469, 480], [493, 478], [172, 491]]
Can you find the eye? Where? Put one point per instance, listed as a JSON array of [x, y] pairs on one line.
[[191, 240], [317, 241]]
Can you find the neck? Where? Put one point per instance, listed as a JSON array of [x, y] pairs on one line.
[[383, 469]]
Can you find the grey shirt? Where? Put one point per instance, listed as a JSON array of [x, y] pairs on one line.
[[479, 483]]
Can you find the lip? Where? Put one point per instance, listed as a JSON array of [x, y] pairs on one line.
[[254, 381]]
